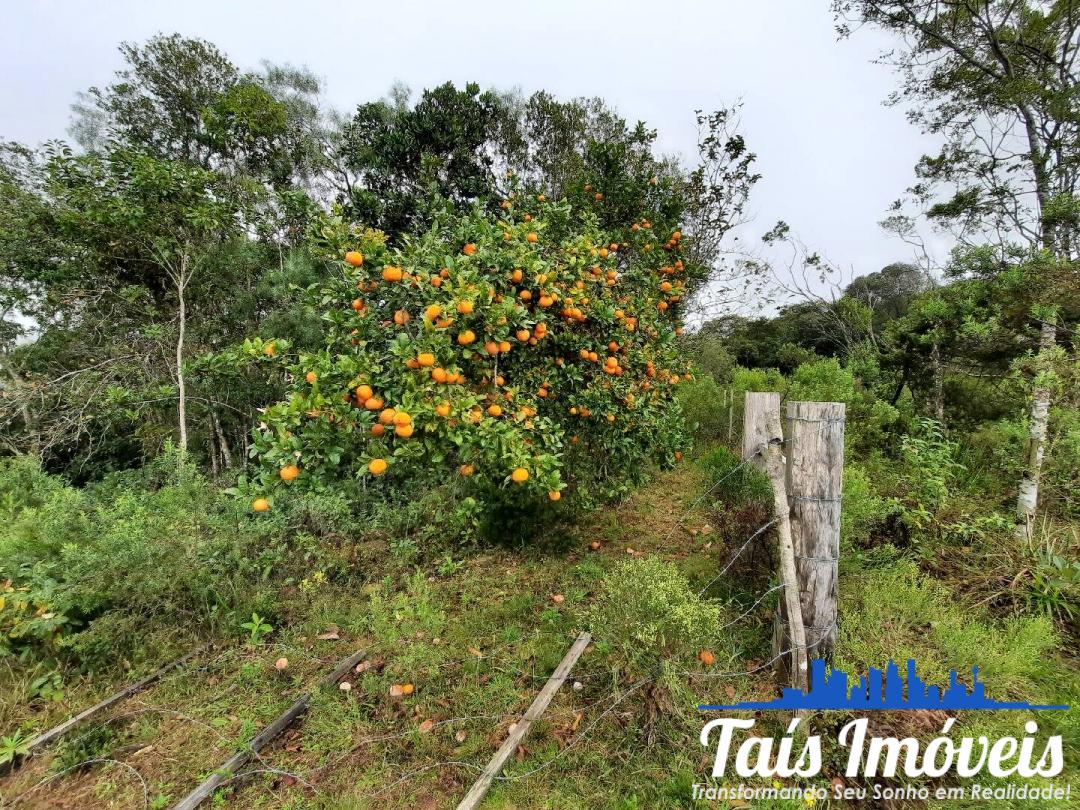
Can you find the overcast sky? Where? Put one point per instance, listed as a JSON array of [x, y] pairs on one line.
[[833, 157]]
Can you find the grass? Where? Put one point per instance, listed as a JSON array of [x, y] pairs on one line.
[[477, 635]]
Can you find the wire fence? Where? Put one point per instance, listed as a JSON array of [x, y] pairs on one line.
[[621, 692]]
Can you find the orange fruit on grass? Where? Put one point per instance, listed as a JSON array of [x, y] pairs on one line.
[[260, 505]]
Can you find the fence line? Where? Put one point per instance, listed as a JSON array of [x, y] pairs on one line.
[[615, 699]]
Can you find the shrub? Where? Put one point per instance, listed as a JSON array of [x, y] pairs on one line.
[[738, 484], [931, 468], [90, 576], [828, 381], [529, 354], [646, 611], [865, 511], [704, 409]]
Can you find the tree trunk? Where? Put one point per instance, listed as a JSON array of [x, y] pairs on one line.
[[181, 284], [223, 443], [1027, 500], [213, 454], [939, 383]]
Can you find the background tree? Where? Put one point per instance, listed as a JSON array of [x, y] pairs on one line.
[[998, 81]]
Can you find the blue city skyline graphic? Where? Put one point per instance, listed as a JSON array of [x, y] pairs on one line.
[[881, 690]]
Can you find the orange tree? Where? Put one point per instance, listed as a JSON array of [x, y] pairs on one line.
[[527, 352]]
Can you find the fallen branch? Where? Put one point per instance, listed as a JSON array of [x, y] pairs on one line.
[[56, 732], [226, 772], [521, 728]]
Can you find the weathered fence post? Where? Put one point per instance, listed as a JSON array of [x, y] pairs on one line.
[[756, 409], [762, 432], [815, 470]]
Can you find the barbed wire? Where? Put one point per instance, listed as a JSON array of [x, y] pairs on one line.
[[93, 761], [616, 699], [711, 489], [737, 554]]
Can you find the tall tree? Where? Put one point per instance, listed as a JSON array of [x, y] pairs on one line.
[[132, 239], [998, 80], [181, 99]]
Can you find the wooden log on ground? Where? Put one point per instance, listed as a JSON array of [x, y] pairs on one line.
[[815, 472], [229, 768], [480, 787], [56, 732]]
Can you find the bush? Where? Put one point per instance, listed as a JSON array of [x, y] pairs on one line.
[[93, 574], [526, 354], [864, 510], [646, 612], [705, 409], [828, 381], [739, 485], [931, 469]]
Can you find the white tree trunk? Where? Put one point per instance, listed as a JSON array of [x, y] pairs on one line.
[[1027, 500], [181, 284], [939, 383]]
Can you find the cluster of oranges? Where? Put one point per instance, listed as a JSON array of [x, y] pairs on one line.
[[527, 349]]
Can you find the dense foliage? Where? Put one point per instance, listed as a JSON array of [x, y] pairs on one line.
[[532, 350]]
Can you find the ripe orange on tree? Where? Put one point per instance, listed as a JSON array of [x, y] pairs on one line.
[[562, 296]]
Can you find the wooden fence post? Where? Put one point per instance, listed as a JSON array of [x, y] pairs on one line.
[[762, 429], [815, 468], [756, 409]]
